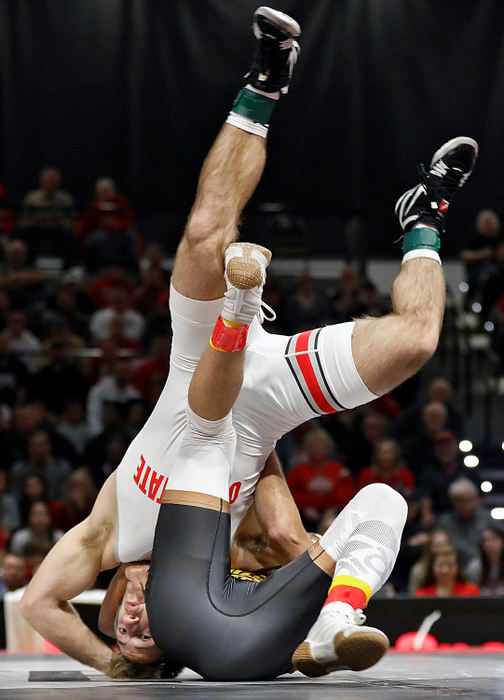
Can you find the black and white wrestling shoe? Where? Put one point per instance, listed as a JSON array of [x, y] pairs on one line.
[[428, 201], [276, 52]]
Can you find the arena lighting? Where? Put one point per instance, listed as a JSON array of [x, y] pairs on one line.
[[502, 446], [466, 445], [471, 461], [488, 326], [463, 287], [486, 486], [497, 513], [476, 307]]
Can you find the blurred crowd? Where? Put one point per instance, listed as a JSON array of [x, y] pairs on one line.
[[85, 339]]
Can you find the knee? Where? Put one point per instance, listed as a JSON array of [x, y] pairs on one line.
[[421, 337], [384, 503]]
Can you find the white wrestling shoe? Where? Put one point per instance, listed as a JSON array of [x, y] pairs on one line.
[[245, 273], [338, 641]]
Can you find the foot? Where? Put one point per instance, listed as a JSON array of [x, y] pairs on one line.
[[245, 265], [276, 53], [338, 641], [428, 202]]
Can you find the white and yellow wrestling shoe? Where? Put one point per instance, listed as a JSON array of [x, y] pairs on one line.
[[245, 273], [337, 641]]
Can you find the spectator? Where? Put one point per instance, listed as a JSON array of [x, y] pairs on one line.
[[47, 218], [431, 542], [153, 284], [13, 375], [372, 429], [20, 280], [41, 459], [73, 427], [113, 277], [445, 577], [490, 572], [346, 304], [35, 489], [118, 320], [13, 574], [419, 450], [150, 376], [58, 379], [35, 552], [493, 286], [97, 451], [441, 390], [63, 309], [115, 388], [9, 511], [159, 322], [306, 308], [6, 217], [21, 342], [38, 526], [105, 231], [138, 412], [413, 538], [479, 253], [321, 483], [436, 478], [79, 500], [467, 520], [388, 468], [115, 448]]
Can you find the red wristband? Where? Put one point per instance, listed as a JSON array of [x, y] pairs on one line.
[[228, 338]]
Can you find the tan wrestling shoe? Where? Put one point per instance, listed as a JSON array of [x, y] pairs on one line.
[[246, 265], [338, 641]]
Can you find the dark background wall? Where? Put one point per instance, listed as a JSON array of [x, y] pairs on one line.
[[137, 89]]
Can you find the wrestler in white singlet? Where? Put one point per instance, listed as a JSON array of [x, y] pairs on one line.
[[287, 381]]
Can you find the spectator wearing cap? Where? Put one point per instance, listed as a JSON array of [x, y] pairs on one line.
[[388, 468], [438, 475], [466, 520], [47, 218], [419, 450]]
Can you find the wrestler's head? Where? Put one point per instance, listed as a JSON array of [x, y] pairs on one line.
[[132, 629]]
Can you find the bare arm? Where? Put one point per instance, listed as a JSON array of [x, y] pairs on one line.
[[271, 534], [277, 514], [70, 568]]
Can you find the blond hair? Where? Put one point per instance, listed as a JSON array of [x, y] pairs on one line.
[[121, 667]]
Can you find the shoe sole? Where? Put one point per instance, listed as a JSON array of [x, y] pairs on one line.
[[453, 143], [356, 652], [282, 20], [245, 272]]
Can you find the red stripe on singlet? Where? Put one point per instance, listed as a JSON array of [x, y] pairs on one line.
[[305, 365]]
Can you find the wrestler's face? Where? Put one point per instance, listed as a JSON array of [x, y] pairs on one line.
[[133, 634]]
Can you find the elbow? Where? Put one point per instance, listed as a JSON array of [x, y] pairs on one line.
[[27, 606], [288, 541]]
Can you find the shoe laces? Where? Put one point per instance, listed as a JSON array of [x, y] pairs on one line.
[[359, 617], [443, 186], [262, 316]]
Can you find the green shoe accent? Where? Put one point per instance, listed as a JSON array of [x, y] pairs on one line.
[[421, 238], [254, 106]]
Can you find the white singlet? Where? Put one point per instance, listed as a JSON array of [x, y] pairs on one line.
[[287, 381]]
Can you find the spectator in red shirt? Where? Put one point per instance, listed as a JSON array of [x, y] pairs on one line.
[[388, 468], [445, 577], [320, 484], [149, 377], [113, 277], [106, 228]]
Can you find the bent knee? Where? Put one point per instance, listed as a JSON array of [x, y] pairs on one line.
[[384, 501]]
